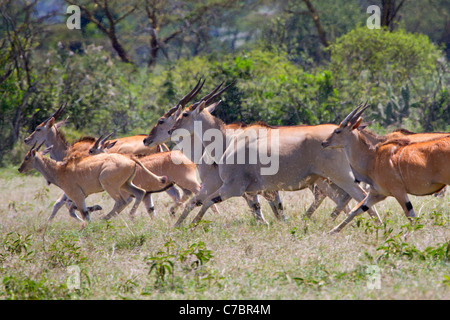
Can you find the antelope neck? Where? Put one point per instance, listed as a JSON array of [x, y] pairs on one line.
[[59, 150]]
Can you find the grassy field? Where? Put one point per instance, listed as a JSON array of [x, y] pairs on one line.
[[228, 256]]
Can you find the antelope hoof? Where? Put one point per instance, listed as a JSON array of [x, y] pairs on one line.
[[95, 208]]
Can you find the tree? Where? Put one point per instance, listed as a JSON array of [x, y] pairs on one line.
[[18, 83], [389, 10], [109, 27], [380, 65], [190, 22]]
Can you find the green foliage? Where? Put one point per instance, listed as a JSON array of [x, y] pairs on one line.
[[131, 242], [294, 31], [25, 288], [18, 245], [162, 264], [396, 245], [64, 252], [375, 59], [188, 261], [268, 87]]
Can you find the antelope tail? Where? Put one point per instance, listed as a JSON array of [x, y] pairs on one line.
[[162, 179]]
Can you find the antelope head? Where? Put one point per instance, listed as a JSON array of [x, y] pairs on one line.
[[342, 134], [40, 134], [193, 113], [28, 161], [159, 133], [101, 144]]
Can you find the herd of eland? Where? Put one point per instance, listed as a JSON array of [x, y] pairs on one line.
[[239, 160]]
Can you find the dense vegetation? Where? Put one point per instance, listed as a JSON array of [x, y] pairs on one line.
[[293, 62]]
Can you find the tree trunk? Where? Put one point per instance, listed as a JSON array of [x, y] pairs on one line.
[[119, 49]]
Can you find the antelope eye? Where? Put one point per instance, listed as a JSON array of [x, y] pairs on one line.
[[185, 114], [38, 129], [160, 121], [337, 131]]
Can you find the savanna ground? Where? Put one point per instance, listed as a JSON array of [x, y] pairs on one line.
[[228, 256]]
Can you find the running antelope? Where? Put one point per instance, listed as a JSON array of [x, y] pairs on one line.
[[299, 159], [173, 164], [79, 176], [48, 132], [208, 173], [392, 167]]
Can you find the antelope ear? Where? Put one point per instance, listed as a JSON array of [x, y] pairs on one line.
[[358, 122], [109, 145], [364, 125], [212, 107], [47, 150], [61, 123], [177, 113], [50, 122], [200, 107]]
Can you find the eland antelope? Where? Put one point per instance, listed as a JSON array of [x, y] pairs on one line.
[[392, 167], [178, 169], [79, 176], [298, 158], [49, 133], [208, 173]]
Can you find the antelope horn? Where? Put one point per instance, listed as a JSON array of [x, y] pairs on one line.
[[208, 101], [171, 111], [359, 113], [106, 138], [212, 95], [209, 95], [350, 116], [191, 94], [58, 112], [97, 142]]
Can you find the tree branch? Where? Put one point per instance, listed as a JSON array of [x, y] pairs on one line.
[[315, 16]]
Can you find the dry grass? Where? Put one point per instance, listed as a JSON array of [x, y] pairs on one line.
[[228, 256]]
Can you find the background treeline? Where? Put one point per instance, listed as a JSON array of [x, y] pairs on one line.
[[294, 62]]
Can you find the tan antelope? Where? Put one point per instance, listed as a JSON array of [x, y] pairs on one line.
[[392, 167], [297, 149], [208, 173], [178, 169], [48, 132], [79, 176]]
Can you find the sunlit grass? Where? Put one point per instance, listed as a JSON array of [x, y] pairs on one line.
[[228, 256]]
